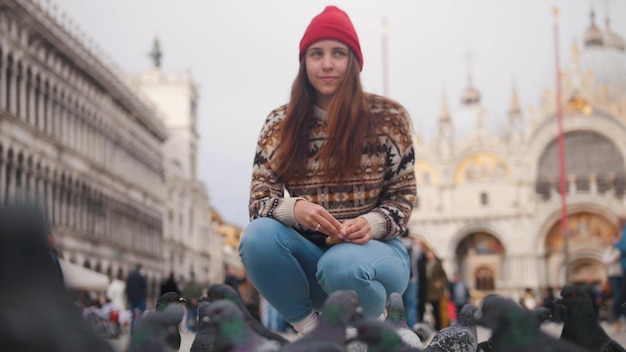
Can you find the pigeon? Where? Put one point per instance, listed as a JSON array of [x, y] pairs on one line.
[[173, 340], [514, 328], [581, 326], [396, 315], [38, 313], [340, 309], [152, 330], [223, 291], [381, 336], [232, 333], [460, 337], [204, 340], [541, 313], [167, 298]]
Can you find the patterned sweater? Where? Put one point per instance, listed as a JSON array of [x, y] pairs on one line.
[[382, 190]]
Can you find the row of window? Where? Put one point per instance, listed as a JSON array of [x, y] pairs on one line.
[[74, 206], [97, 128]]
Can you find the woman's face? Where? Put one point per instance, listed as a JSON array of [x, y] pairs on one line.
[[326, 66]]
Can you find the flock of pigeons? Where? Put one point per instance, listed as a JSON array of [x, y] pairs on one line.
[[226, 326], [37, 314]]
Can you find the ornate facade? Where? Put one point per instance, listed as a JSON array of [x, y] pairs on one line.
[[488, 194], [79, 139], [190, 242]]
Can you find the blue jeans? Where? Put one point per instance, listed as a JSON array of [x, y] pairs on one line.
[[192, 318], [616, 285], [136, 305], [410, 304], [295, 276]]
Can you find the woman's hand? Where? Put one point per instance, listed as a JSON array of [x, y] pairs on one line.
[[315, 217], [358, 230]]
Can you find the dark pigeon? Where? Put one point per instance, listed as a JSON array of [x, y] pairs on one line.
[[396, 315], [232, 333], [152, 330], [38, 313], [460, 337], [166, 299], [223, 291], [514, 328], [204, 341], [541, 313], [173, 340], [340, 309], [581, 326], [381, 336]]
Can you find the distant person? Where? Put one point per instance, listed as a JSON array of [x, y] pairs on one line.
[[136, 293], [528, 299], [346, 158], [621, 245], [232, 278], [611, 260], [54, 253], [422, 286], [410, 296], [436, 286], [192, 292], [169, 285], [115, 293], [459, 292]]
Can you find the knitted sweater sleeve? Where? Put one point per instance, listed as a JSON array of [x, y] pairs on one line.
[[266, 191], [390, 218]]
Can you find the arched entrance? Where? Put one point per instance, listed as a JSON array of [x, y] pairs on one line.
[[590, 234], [479, 257]]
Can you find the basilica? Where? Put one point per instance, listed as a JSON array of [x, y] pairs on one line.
[[489, 193]]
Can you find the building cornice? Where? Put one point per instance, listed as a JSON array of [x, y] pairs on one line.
[[103, 75]]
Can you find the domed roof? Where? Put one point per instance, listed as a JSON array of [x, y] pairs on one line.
[[612, 39], [593, 36], [605, 61], [470, 95], [470, 120]]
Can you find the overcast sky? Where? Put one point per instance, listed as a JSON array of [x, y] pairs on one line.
[[243, 54]]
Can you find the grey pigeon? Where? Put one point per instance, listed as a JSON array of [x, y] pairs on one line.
[[460, 337], [396, 315], [381, 336], [514, 328], [541, 313], [338, 312], [37, 313], [152, 330], [204, 341], [173, 339], [223, 291], [581, 326], [232, 334]]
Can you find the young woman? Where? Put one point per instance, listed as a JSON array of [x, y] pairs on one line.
[[346, 160]]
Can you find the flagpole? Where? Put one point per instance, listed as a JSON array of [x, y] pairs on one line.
[[559, 115]]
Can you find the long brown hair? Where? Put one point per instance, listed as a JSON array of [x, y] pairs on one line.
[[349, 125]]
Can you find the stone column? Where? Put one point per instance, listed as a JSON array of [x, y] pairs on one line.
[[12, 86], [22, 99], [3, 81]]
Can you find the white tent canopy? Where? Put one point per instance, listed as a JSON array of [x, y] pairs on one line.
[[79, 278]]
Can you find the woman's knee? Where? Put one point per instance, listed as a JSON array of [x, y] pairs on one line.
[[259, 232], [336, 270]]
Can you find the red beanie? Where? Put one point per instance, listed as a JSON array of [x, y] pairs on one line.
[[335, 24]]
